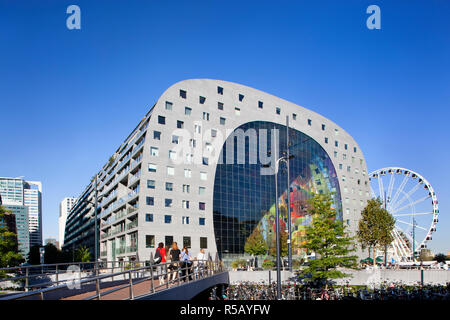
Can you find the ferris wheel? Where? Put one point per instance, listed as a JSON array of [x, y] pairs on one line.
[[411, 200]]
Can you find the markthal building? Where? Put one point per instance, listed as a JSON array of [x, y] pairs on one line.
[[199, 170]]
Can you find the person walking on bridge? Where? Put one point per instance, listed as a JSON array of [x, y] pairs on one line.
[[160, 257]]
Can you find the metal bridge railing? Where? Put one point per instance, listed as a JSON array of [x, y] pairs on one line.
[[184, 273]]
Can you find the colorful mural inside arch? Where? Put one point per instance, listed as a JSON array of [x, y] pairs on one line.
[[244, 199]]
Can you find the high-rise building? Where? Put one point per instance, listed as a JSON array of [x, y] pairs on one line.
[[52, 241], [199, 169], [64, 208], [24, 199]]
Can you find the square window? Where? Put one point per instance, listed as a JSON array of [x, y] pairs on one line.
[[309, 122], [206, 116], [201, 100], [220, 105], [170, 171], [169, 186], [219, 90], [187, 242], [201, 190], [154, 151], [183, 94], [168, 203], [237, 111], [180, 124], [185, 204], [186, 188], [149, 217], [169, 105], [175, 139], [203, 175], [260, 104], [168, 240], [213, 133], [203, 243], [278, 110], [187, 111], [222, 120], [241, 97], [323, 127], [151, 167], [326, 140], [201, 206], [151, 184], [185, 220], [156, 135], [150, 201], [187, 173], [294, 116], [197, 128], [201, 221], [336, 144], [345, 146], [205, 161], [161, 120], [149, 241], [354, 149], [167, 219]]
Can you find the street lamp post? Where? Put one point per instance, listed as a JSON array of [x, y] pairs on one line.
[[95, 223], [288, 196]]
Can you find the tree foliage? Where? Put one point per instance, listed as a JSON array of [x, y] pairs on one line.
[[327, 238], [9, 256], [440, 257], [284, 248], [83, 254], [375, 227], [255, 244]]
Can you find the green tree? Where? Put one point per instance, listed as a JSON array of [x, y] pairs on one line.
[[255, 244], [375, 227], [284, 248], [327, 238], [83, 254], [9, 256], [440, 257]]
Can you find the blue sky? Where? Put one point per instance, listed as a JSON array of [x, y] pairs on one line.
[[68, 98]]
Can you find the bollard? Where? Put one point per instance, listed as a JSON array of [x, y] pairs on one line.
[[131, 286]]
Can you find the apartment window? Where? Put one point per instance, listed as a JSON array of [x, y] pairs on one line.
[[241, 97], [203, 243], [150, 201], [156, 135], [185, 204], [149, 217], [335, 154], [186, 188], [187, 242], [187, 111], [183, 94], [326, 140], [348, 169], [168, 203], [237, 111], [344, 156], [154, 151], [260, 104], [205, 161], [343, 178], [168, 240], [197, 128], [175, 139], [151, 184], [167, 219], [206, 116], [346, 200], [151, 167], [201, 100], [201, 206], [340, 166], [208, 146], [201, 190], [345, 146], [309, 122], [149, 241], [220, 105], [189, 157], [219, 90], [203, 176], [336, 144], [185, 220], [187, 173], [213, 133], [169, 186], [180, 124], [172, 155], [161, 120], [169, 105], [201, 221], [336, 132], [354, 149], [170, 171], [278, 110], [222, 120], [294, 116], [192, 143]]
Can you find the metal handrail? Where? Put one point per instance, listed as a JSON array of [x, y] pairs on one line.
[[211, 267]]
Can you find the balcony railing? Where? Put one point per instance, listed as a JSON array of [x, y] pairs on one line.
[[120, 250], [132, 225], [131, 249]]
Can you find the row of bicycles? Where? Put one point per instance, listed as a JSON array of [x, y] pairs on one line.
[[295, 291]]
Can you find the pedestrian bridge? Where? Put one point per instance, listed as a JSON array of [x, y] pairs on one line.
[[95, 281]]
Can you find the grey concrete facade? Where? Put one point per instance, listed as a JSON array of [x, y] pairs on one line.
[[123, 183]]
